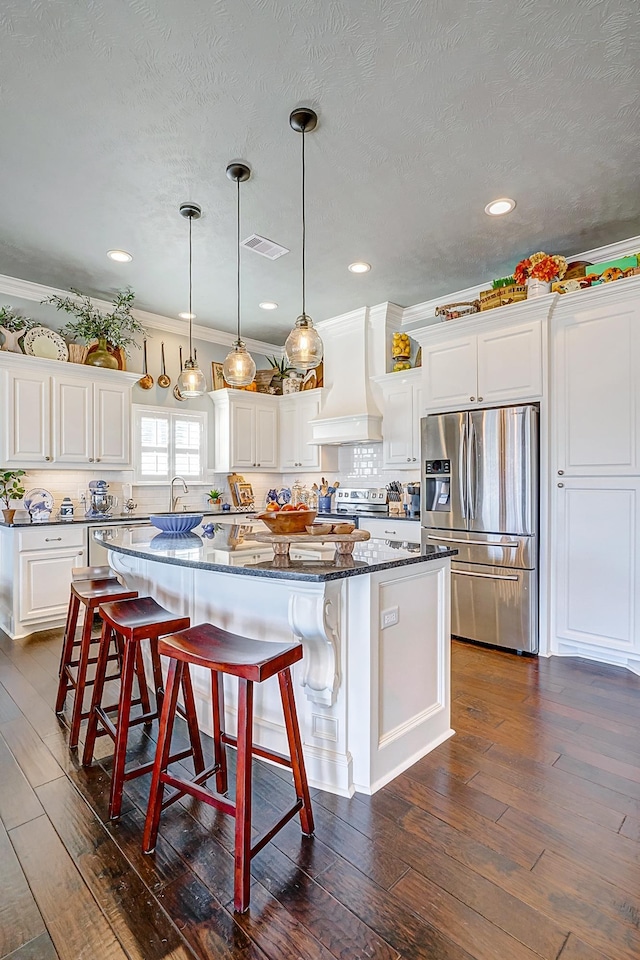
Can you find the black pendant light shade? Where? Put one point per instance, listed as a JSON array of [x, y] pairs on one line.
[[191, 382], [303, 347], [239, 367]]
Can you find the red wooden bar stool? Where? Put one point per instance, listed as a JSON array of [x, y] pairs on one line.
[[103, 572], [251, 661], [131, 622], [89, 593]]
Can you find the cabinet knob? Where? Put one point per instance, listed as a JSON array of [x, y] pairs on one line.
[[472, 399], [257, 464], [47, 458], [414, 459], [408, 459], [480, 399], [97, 460], [561, 484], [90, 459], [560, 473]]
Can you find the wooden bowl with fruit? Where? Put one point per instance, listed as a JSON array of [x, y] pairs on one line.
[[287, 519]]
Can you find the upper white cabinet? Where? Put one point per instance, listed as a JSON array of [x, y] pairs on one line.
[[485, 362], [245, 431], [596, 373], [296, 440], [60, 416], [402, 409]]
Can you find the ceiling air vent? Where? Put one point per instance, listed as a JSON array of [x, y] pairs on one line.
[[266, 248]]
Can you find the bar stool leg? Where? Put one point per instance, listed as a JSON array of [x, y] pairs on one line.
[[96, 699], [242, 853], [142, 681], [163, 751], [67, 651], [85, 647], [124, 711], [158, 682], [192, 720], [219, 751], [295, 750]]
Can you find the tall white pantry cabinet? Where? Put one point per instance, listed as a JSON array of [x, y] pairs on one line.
[[595, 474]]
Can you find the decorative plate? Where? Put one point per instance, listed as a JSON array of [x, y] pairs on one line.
[[42, 342], [39, 503]]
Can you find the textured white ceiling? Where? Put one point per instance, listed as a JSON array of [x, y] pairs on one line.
[[113, 112]]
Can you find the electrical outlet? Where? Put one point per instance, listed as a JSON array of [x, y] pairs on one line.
[[389, 617], [82, 496]]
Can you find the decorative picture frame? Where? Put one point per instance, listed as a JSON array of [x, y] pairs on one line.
[[217, 376], [244, 494]]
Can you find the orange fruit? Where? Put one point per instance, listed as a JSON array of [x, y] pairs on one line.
[[273, 507]]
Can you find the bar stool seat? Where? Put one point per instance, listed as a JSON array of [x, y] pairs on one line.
[[251, 661], [102, 572], [89, 593], [131, 622]]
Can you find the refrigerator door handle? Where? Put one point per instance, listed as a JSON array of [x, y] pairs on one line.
[[472, 485], [483, 576], [474, 543], [462, 468]]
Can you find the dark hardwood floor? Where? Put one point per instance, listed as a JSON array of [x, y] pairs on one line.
[[517, 839]]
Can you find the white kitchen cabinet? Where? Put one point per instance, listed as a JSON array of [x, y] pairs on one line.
[[246, 435], [403, 406], [296, 436], [596, 373], [596, 575], [390, 528], [497, 364], [35, 573], [62, 416]]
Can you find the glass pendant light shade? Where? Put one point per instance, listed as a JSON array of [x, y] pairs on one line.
[[303, 347], [239, 367], [191, 382]]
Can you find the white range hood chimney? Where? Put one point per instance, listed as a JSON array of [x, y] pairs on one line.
[[349, 413]]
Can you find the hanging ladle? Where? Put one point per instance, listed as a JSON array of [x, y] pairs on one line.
[[176, 390], [163, 379], [145, 381]]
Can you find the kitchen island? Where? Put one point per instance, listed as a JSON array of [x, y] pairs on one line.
[[373, 688]]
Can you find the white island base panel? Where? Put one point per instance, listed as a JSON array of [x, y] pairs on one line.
[[373, 688]]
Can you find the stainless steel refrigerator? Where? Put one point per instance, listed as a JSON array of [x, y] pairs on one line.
[[480, 495]]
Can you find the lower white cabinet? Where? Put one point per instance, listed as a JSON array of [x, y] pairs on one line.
[[391, 529], [595, 572], [35, 573]]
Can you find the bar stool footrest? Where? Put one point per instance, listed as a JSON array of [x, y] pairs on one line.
[[258, 751], [270, 834], [195, 790]]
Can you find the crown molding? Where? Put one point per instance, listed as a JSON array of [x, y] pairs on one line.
[[424, 312], [37, 292]]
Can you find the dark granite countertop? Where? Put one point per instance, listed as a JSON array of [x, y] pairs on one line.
[[230, 550], [123, 518]]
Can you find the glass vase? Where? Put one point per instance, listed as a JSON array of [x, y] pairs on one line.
[[100, 357]]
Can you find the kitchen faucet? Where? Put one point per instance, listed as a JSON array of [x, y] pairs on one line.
[[173, 501]]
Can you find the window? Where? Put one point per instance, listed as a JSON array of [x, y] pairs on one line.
[[168, 443]]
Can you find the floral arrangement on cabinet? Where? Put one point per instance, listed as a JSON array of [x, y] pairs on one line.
[[113, 331], [12, 327], [538, 272]]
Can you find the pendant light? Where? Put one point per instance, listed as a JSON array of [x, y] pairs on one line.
[[303, 348], [239, 367], [191, 382]]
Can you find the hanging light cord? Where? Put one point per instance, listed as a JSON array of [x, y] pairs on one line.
[[238, 256], [304, 234], [190, 289]]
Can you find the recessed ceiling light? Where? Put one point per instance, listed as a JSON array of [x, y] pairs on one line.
[[268, 305], [359, 267], [497, 208], [120, 256], [185, 315]]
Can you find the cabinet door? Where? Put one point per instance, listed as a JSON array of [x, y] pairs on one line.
[[28, 438], [289, 435], [243, 446], [450, 373], [398, 426], [597, 547], [308, 453], [45, 576], [72, 421], [595, 363], [112, 424], [510, 363], [266, 438], [418, 413]]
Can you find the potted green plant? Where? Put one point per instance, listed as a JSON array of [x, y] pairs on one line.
[[281, 371], [12, 327], [10, 489], [215, 499], [116, 329]]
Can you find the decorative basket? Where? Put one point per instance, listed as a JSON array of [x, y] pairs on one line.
[[502, 296], [453, 311], [263, 379], [77, 353]]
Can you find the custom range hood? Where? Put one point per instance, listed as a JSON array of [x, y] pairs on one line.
[[349, 413]]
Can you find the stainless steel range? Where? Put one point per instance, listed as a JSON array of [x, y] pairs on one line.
[[354, 500]]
